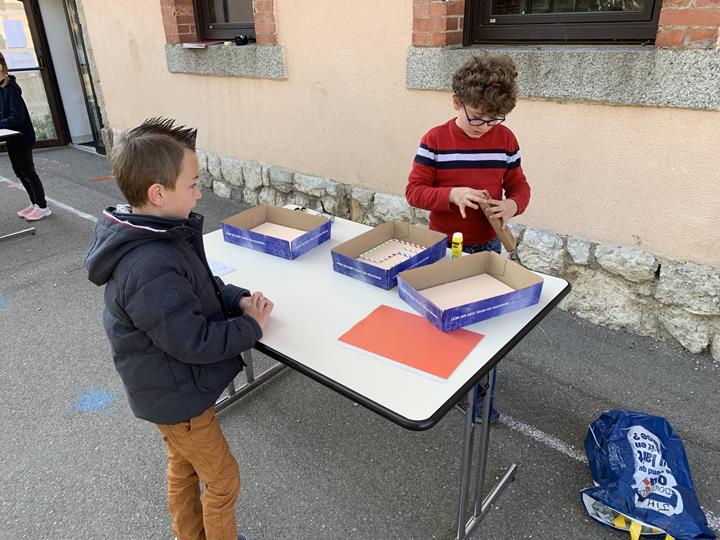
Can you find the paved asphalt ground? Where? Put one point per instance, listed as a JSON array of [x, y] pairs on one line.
[[75, 463]]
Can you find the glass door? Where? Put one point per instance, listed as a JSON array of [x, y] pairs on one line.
[[25, 52], [86, 81]]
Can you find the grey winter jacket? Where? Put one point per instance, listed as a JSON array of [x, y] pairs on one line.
[[176, 332]]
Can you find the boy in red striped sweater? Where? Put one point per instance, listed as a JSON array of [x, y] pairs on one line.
[[471, 158]]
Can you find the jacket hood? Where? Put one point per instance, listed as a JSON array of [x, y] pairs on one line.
[[118, 231], [10, 81]]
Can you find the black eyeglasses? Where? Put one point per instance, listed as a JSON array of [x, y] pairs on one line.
[[482, 121]]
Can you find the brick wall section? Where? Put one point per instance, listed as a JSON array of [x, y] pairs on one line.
[[265, 33], [179, 21], [437, 23], [689, 24]]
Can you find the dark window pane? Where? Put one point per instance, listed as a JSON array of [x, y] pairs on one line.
[[229, 11], [527, 7]]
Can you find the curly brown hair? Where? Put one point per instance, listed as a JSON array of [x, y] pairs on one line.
[[487, 83]]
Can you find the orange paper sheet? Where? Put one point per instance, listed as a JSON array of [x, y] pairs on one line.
[[411, 340]]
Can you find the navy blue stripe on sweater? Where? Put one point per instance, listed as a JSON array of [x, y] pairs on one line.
[[467, 159], [461, 164]]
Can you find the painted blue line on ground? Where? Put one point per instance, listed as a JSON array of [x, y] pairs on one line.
[[94, 400]]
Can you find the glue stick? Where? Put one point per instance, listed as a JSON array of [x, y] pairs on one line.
[[457, 241]]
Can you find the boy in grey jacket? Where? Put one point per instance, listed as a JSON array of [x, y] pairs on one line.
[[176, 331]]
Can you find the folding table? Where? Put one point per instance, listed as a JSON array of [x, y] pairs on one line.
[[315, 305]]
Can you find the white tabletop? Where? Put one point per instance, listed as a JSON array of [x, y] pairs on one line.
[[315, 305], [8, 132]]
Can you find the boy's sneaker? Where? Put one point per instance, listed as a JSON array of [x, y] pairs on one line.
[[38, 213], [25, 211]]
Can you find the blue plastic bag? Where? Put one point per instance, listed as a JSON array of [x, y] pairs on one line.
[[642, 478]]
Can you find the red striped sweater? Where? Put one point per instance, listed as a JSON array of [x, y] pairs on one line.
[[448, 158]]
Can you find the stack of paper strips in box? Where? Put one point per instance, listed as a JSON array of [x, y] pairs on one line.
[[277, 231], [391, 253], [378, 255], [458, 292]]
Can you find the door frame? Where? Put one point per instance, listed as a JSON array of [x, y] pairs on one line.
[[47, 74], [92, 103]]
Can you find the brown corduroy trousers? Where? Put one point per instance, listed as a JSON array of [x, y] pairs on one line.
[[198, 451]]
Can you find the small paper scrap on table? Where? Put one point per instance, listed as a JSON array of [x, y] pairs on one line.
[[219, 268]]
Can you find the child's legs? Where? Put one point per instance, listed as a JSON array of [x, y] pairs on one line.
[[492, 245], [201, 443], [183, 493], [14, 155], [24, 168]]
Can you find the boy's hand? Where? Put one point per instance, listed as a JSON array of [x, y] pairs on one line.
[[245, 302], [258, 307], [503, 210], [463, 197]]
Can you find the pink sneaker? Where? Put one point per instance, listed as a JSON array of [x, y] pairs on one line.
[[25, 211], [38, 213]]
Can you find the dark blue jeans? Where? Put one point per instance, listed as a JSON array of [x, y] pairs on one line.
[[492, 245]]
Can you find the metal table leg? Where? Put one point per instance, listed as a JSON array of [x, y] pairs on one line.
[[480, 505], [466, 463], [252, 383]]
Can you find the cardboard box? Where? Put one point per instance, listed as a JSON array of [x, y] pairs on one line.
[[345, 256], [459, 292], [505, 235], [277, 231]]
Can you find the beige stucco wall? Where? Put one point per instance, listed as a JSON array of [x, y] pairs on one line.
[[637, 176]]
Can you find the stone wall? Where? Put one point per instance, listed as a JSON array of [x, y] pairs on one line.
[[615, 286], [630, 289]]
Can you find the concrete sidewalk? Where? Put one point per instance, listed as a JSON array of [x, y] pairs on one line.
[[75, 463]]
